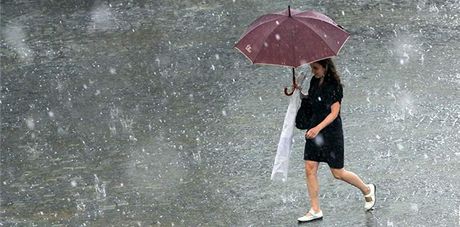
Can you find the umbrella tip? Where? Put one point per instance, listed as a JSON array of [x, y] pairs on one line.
[[289, 10]]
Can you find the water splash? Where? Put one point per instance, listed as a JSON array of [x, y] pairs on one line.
[[100, 189], [16, 38], [102, 19]]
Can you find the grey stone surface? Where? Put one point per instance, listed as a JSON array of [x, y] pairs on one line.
[[141, 113]]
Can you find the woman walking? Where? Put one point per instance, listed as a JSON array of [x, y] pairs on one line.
[[324, 137]]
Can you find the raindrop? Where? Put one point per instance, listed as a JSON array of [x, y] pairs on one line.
[[277, 36], [319, 140], [414, 207], [434, 8], [73, 183], [390, 223], [277, 22], [332, 155], [132, 138], [217, 57], [114, 71], [30, 123]]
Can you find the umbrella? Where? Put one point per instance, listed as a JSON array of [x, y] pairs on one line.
[[291, 38]]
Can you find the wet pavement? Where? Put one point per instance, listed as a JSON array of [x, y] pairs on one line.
[[139, 113]]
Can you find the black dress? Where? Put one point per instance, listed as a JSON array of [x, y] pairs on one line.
[[327, 146]]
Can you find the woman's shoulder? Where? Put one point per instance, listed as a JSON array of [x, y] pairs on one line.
[[334, 85], [334, 88], [313, 79]]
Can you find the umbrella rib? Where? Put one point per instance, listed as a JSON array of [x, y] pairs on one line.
[[269, 33], [306, 23], [275, 18], [327, 19], [340, 48], [286, 19], [245, 55]]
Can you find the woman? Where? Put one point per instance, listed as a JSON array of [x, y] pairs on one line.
[[324, 138]]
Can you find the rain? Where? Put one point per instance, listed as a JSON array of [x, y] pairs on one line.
[[142, 113]]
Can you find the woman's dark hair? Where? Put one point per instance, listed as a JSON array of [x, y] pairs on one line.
[[331, 74]]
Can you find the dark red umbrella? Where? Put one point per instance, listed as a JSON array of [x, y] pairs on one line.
[[292, 38]]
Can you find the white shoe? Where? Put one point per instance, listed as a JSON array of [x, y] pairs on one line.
[[311, 216], [370, 198]]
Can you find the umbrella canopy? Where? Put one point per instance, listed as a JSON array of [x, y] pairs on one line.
[[292, 38]]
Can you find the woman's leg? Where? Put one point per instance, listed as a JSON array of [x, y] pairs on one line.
[[311, 170], [350, 178]]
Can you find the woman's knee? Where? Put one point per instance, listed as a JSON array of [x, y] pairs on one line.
[[311, 168], [338, 173]]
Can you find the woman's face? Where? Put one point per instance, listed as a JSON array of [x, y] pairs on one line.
[[317, 69]]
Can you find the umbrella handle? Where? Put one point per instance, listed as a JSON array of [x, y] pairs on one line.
[[294, 85], [286, 91]]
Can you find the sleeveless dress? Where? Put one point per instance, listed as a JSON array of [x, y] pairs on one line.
[[328, 145]]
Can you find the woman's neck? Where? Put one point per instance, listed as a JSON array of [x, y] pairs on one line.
[[321, 80]]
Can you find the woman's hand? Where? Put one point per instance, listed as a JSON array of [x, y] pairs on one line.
[[312, 133], [297, 86]]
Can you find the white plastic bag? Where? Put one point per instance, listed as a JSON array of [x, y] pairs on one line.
[[281, 165]]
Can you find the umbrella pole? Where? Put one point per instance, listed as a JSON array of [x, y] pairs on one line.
[[294, 85], [293, 78]]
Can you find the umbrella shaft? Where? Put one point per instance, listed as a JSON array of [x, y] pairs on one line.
[[293, 77]]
